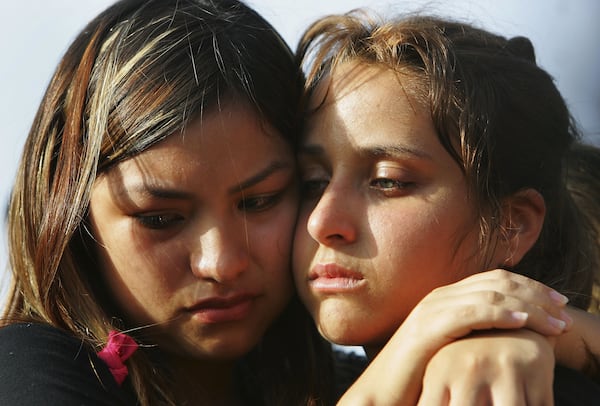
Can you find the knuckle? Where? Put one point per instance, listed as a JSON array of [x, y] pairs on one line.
[[509, 285], [502, 273], [479, 315], [474, 364], [493, 297], [467, 312]]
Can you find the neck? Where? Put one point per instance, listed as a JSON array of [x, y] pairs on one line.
[[205, 382]]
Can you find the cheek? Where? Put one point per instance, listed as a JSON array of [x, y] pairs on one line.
[[272, 249], [272, 240], [139, 275], [304, 246], [469, 256], [133, 257], [421, 240]]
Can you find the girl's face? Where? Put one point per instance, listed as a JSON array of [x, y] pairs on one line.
[[385, 218], [195, 234]]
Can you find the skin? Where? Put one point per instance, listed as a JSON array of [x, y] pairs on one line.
[[201, 251], [391, 222], [506, 369], [387, 239], [151, 213]]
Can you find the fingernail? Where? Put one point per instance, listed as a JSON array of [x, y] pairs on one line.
[[565, 316], [520, 316], [558, 323], [559, 298]]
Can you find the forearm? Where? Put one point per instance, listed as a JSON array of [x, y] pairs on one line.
[[579, 348], [394, 375]]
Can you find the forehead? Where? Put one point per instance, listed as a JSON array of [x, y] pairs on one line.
[[383, 82], [370, 103], [218, 142]]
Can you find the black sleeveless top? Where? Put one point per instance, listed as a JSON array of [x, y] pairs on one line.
[[42, 365]]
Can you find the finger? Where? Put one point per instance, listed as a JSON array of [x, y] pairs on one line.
[[507, 391], [514, 284], [531, 292], [461, 392], [434, 395], [480, 310], [513, 388], [542, 392], [471, 396]]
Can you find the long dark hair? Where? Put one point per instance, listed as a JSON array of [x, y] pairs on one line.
[[136, 74]]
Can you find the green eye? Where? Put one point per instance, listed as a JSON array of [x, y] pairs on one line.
[[384, 183], [387, 184]]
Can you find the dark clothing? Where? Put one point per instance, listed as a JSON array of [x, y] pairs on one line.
[[347, 368], [572, 388], [42, 365]]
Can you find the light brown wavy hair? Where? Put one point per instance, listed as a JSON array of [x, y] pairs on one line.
[[497, 113]]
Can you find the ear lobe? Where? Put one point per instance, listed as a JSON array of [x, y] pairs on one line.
[[524, 214]]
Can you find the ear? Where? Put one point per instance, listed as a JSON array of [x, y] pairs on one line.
[[523, 214]]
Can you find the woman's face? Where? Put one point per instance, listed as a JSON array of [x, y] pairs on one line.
[[385, 217], [195, 234]]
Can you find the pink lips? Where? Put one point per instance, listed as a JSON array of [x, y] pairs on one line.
[[223, 309], [332, 278]]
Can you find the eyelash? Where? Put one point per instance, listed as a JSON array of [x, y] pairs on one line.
[[159, 221], [314, 188], [259, 203], [396, 184]]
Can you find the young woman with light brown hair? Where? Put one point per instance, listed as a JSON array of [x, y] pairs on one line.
[[433, 151]]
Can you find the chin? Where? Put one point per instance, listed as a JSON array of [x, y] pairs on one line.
[[339, 333], [228, 350], [226, 345]]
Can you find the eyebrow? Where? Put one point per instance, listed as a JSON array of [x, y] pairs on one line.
[[375, 150], [154, 191], [273, 167], [168, 192], [397, 150]]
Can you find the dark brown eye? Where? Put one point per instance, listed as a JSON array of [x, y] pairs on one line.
[[159, 221], [260, 202]]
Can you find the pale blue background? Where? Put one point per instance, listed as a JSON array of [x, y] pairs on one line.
[[35, 33]]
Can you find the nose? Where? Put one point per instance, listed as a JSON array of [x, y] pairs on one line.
[[331, 221], [220, 254]]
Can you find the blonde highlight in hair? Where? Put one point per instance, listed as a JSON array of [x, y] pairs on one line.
[[136, 74]]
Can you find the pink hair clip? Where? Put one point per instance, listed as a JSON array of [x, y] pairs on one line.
[[118, 348]]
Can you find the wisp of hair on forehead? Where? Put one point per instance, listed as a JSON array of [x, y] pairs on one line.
[[137, 73], [495, 111]]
